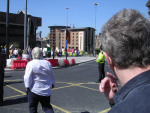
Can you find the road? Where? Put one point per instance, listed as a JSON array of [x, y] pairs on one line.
[[75, 91]]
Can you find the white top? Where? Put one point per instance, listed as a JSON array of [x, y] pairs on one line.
[[15, 52], [39, 77]]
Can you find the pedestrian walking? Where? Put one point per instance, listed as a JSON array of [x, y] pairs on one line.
[[101, 64], [39, 80], [126, 42]]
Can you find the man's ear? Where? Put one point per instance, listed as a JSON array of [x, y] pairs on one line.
[[109, 60]]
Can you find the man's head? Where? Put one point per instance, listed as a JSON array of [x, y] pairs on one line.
[[126, 39], [37, 53]]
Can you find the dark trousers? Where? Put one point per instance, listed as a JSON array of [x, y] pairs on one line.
[[1, 86], [34, 99], [101, 71]]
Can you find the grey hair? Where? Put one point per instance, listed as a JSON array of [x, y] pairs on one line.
[[37, 53], [126, 39]]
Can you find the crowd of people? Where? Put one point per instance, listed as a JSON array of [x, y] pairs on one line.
[[18, 53], [70, 52]]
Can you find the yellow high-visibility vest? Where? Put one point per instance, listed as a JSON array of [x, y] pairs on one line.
[[63, 53], [101, 57]]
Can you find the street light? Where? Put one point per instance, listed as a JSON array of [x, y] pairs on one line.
[[25, 25], [66, 30], [7, 31], [94, 40]]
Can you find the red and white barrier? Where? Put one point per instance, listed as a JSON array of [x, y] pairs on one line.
[[26, 57], [19, 64], [73, 61], [54, 62], [66, 62]]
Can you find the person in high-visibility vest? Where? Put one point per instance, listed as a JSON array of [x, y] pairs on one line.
[[101, 63], [70, 53], [63, 53]]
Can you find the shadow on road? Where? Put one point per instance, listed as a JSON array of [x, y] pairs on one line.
[[15, 101], [12, 82]]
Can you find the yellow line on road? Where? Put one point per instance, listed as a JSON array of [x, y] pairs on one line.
[[14, 96], [63, 82], [56, 107], [12, 80], [23, 93], [104, 111], [88, 88], [62, 87], [75, 84], [16, 89], [89, 83]]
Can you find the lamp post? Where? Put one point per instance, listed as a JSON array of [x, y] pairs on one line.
[[25, 25], [66, 30], [94, 40], [7, 31]]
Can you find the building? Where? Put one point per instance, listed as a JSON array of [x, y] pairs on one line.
[[55, 36], [98, 41], [16, 29], [80, 38]]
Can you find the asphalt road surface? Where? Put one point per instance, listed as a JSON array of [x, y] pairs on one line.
[[75, 91]]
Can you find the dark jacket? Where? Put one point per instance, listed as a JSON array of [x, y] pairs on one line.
[[2, 62], [134, 96]]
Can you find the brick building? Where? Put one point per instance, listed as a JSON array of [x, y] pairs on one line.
[[80, 38]]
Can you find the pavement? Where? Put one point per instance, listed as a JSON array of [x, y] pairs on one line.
[[78, 60]]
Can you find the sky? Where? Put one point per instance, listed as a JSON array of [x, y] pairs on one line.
[[81, 13]]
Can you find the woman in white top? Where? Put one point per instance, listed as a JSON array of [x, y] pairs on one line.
[[39, 80]]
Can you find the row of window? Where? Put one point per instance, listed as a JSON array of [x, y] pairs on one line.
[[71, 37], [72, 43], [71, 40], [71, 33]]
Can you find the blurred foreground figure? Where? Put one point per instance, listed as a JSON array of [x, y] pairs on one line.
[[39, 80], [126, 45], [2, 66]]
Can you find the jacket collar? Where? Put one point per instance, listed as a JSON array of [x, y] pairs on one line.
[[131, 84]]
